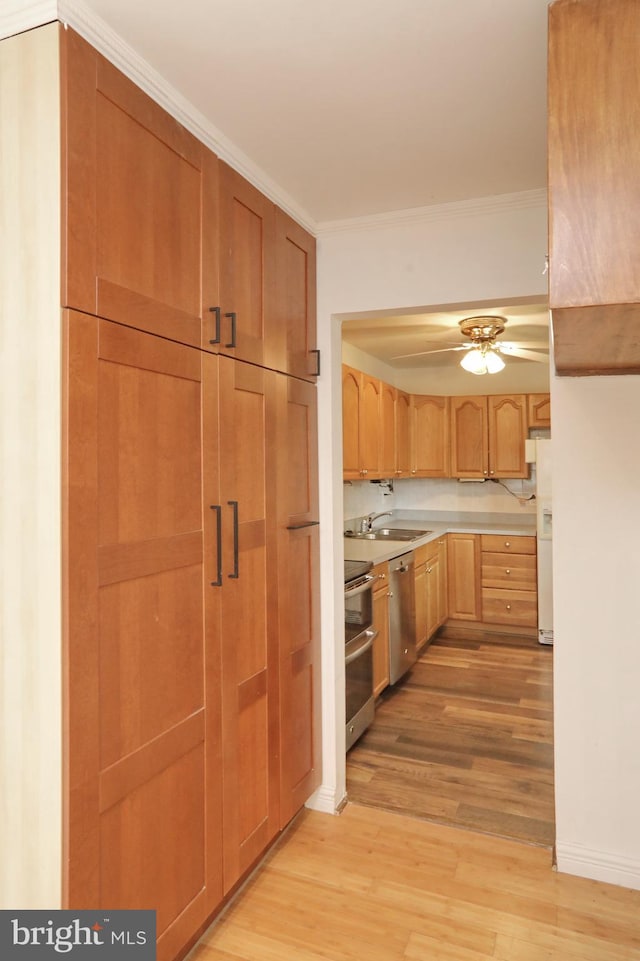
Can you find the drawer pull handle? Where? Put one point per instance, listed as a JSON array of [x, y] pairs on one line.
[[508, 607], [507, 571]]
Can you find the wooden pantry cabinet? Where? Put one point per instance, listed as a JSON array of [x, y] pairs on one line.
[[189, 537], [161, 235], [488, 435], [594, 289]]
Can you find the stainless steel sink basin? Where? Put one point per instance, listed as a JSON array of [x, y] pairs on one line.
[[388, 534]]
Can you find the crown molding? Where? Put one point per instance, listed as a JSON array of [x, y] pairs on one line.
[[18, 15], [478, 206]]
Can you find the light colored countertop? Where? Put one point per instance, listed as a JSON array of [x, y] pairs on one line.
[[443, 522]]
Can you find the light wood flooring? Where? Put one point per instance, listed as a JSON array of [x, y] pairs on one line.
[[369, 885], [466, 739]]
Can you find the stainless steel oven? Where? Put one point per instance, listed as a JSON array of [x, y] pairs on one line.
[[359, 638]]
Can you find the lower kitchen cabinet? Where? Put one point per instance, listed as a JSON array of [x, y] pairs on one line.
[[464, 567], [509, 580], [191, 621], [431, 589], [380, 602]]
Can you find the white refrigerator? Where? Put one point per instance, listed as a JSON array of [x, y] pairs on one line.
[[544, 532]]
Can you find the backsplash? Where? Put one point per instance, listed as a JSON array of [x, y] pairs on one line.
[[435, 494]]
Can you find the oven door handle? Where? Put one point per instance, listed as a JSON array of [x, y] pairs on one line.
[[369, 638], [362, 584]]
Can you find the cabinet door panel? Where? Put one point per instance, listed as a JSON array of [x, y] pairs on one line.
[[403, 434], [370, 433], [142, 692], [139, 212], [469, 437], [248, 273], [430, 434], [249, 629], [350, 422], [465, 600], [539, 410], [388, 430], [296, 297], [507, 433], [298, 594]]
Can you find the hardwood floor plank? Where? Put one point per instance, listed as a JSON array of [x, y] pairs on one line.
[[368, 885], [466, 738]]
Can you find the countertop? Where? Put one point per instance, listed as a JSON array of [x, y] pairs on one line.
[[437, 524]]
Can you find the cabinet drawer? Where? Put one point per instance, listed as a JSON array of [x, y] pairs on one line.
[[509, 607], [509, 571], [505, 543], [381, 574]]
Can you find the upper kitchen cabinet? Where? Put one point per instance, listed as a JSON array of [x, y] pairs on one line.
[[361, 434], [139, 204], [430, 436], [488, 435], [388, 454], [296, 298], [594, 188], [539, 409], [245, 324], [403, 434]]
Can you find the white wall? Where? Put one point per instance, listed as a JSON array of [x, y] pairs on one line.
[[30, 578], [487, 250], [596, 559]]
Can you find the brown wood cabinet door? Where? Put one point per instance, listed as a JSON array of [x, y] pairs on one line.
[[380, 610], [469, 437], [421, 599], [296, 298], [142, 686], [370, 427], [249, 615], [139, 204], [298, 594], [507, 434], [388, 430], [403, 434], [464, 576], [539, 409], [442, 579], [430, 436], [350, 422], [249, 329]]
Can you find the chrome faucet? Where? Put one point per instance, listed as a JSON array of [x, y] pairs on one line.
[[374, 517]]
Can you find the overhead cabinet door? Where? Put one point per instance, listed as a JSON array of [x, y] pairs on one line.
[[142, 693], [140, 198]]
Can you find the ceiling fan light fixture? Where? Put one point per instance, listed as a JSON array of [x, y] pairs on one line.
[[482, 360]]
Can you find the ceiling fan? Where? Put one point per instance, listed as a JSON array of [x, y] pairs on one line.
[[483, 354]]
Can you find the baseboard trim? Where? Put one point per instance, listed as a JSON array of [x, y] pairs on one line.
[[326, 800], [598, 865]]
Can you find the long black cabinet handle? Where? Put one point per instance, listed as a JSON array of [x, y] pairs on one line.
[[315, 351], [218, 509], [216, 311], [233, 329], [236, 564], [298, 527]]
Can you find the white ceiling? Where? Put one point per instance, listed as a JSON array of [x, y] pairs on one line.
[[358, 107]]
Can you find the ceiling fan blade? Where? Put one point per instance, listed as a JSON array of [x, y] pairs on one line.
[[508, 345], [422, 353], [526, 354]]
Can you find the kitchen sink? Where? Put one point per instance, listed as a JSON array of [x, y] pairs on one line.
[[387, 534]]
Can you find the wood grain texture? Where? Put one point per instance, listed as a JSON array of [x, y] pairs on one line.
[[378, 886], [459, 742]]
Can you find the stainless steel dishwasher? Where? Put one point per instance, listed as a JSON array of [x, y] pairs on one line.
[[402, 616]]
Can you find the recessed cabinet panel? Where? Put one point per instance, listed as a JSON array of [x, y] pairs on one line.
[[469, 437], [139, 224], [249, 328], [430, 436], [507, 432], [296, 298]]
